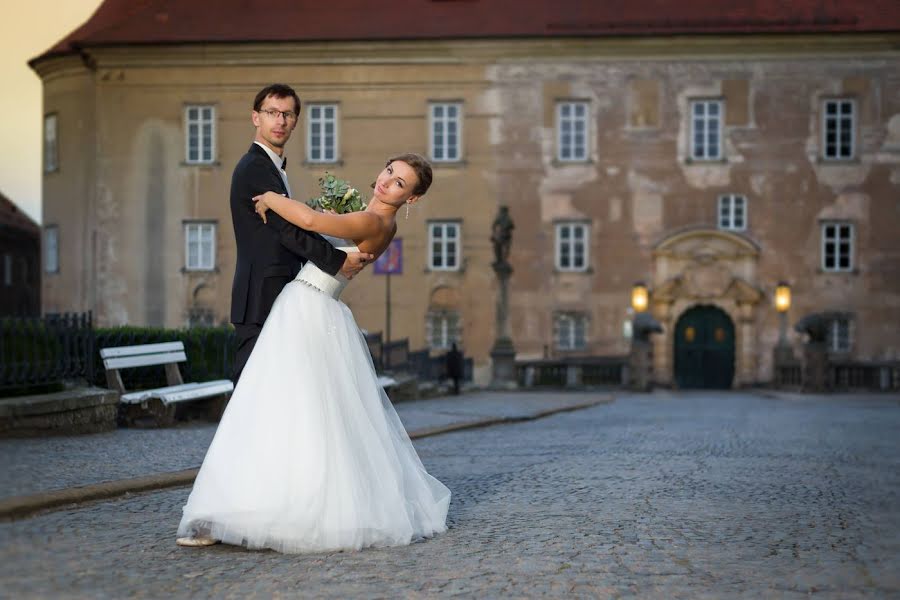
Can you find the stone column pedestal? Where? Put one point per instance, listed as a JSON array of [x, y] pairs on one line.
[[640, 366], [815, 367]]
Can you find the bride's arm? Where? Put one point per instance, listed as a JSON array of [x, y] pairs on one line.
[[353, 226]]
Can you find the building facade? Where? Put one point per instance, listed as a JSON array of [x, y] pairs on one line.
[[710, 165], [20, 255]]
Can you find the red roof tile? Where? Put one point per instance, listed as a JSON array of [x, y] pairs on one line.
[[182, 21]]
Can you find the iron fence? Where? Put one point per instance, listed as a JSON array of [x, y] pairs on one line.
[[45, 351], [590, 371], [875, 376]]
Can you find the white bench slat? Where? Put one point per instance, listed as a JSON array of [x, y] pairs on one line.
[[144, 360], [119, 351], [203, 390], [179, 393], [140, 396]]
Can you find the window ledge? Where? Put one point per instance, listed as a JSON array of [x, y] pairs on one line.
[[188, 271], [821, 271], [324, 163], [704, 162], [442, 271], [212, 165], [557, 163], [448, 164], [587, 271]]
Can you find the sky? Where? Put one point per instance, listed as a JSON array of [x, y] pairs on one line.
[[27, 29]]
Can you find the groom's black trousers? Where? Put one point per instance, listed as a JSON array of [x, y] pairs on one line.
[[246, 338]]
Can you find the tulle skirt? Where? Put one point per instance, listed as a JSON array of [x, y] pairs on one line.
[[310, 454]]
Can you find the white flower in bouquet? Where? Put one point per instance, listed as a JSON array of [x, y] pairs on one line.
[[337, 195]]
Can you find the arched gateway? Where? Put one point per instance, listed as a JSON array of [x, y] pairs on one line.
[[705, 294]]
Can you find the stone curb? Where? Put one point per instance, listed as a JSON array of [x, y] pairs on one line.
[[19, 507]]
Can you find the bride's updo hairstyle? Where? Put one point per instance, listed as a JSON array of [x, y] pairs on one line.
[[422, 168]]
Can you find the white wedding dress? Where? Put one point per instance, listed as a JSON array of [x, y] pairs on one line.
[[310, 454]]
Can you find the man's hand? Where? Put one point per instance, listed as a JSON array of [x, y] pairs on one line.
[[354, 263]]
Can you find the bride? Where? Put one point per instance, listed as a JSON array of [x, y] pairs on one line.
[[310, 455]]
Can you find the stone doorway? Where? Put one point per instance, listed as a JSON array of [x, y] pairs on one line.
[[704, 349]]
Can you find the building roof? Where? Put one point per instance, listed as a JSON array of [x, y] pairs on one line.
[[12, 216], [120, 22]]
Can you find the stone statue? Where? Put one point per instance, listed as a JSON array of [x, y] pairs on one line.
[[501, 236], [816, 325]]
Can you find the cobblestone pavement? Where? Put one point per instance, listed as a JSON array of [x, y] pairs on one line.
[[655, 496], [42, 464]]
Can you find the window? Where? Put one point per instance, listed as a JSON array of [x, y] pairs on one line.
[[7, 269], [839, 335], [706, 129], [732, 212], [570, 331], [443, 244], [571, 131], [571, 246], [200, 246], [321, 139], [51, 147], [442, 329], [51, 249], [200, 134], [446, 132], [837, 246], [838, 125]]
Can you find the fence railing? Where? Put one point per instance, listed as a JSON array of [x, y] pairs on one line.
[[45, 351], [589, 371], [789, 375], [850, 376]]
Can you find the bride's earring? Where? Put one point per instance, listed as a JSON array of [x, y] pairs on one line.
[[407, 211]]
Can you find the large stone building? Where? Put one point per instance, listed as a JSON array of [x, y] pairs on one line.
[[709, 152]]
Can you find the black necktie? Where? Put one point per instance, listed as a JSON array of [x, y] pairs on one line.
[[284, 164]]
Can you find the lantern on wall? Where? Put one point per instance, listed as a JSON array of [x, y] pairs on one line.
[[640, 297], [782, 297]]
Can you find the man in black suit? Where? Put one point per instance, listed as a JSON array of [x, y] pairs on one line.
[[270, 255]]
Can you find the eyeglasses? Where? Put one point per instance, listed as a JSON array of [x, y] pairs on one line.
[[289, 115]]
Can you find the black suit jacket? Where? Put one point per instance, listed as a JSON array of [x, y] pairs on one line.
[[268, 255]]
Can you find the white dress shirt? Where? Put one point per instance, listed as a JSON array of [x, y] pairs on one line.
[[277, 161]]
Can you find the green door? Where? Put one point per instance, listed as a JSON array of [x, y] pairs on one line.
[[704, 349]]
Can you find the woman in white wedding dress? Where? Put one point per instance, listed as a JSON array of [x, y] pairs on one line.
[[310, 455]]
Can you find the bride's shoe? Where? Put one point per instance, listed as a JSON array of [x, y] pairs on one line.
[[196, 542]]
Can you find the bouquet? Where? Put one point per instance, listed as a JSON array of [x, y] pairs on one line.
[[337, 195]]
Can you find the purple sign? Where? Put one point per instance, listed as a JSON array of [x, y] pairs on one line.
[[391, 260]]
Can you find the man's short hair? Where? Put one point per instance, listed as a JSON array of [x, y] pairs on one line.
[[279, 90]]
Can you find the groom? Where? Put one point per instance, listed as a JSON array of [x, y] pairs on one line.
[[270, 255]]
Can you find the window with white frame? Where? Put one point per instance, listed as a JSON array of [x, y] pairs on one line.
[[446, 131], [706, 129], [572, 131], [837, 246], [839, 335], [442, 329], [571, 246], [570, 331], [321, 133], [443, 245], [200, 134], [199, 246], [51, 249], [51, 145], [7, 269], [732, 212], [838, 129]]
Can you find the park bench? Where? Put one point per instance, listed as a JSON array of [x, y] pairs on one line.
[[158, 405]]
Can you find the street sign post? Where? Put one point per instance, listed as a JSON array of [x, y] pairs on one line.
[[389, 263]]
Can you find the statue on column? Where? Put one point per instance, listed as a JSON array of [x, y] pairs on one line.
[[503, 354], [501, 236]]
